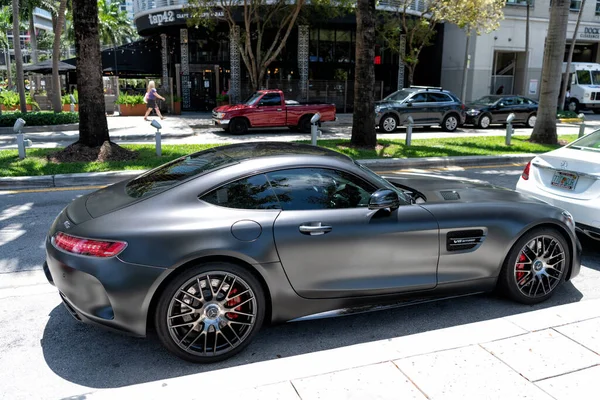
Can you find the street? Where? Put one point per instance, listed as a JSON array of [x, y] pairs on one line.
[[45, 353]]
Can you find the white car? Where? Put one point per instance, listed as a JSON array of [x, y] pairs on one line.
[[569, 178]]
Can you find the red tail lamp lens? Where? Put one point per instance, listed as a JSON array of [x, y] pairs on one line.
[[87, 247], [525, 174]]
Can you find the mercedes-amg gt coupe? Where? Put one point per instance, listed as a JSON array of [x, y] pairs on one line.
[[209, 247]]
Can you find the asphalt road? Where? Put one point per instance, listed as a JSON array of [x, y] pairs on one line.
[[44, 353]]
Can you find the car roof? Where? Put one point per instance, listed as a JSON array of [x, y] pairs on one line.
[[245, 151]]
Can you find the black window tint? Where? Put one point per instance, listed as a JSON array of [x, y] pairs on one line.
[[438, 98], [419, 98], [318, 189], [509, 101], [252, 193], [271, 99]]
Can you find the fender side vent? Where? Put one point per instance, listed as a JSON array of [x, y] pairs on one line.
[[464, 240], [450, 195]]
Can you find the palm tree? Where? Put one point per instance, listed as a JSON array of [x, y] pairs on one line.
[[60, 21], [115, 27], [545, 125], [563, 91], [363, 119], [93, 127], [5, 27], [18, 58]]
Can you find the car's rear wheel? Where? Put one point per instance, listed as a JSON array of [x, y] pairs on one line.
[[484, 121], [304, 124], [388, 123], [536, 266], [210, 312], [531, 120], [450, 123], [238, 126]]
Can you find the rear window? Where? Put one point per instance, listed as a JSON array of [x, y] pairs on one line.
[[169, 175]]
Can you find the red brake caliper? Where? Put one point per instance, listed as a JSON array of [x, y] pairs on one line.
[[231, 303], [521, 274]]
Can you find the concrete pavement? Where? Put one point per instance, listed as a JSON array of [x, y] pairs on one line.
[[553, 353]]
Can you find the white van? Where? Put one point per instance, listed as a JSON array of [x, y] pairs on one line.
[[584, 86]]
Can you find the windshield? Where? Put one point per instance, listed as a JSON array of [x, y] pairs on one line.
[[596, 77], [487, 100], [398, 96], [403, 196], [589, 142], [252, 100], [584, 77]]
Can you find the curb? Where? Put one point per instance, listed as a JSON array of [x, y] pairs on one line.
[[8, 130], [111, 177], [113, 136]]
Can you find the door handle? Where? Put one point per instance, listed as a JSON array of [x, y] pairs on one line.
[[314, 230]]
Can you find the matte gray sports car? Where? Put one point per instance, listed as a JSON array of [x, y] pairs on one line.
[[209, 247]]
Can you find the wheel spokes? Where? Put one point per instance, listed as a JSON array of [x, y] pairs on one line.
[[539, 267]]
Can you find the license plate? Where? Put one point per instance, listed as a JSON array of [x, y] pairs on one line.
[[564, 180]]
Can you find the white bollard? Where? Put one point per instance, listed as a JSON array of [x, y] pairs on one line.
[[409, 129], [509, 128], [157, 137], [314, 131], [21, 145], [582, 125]]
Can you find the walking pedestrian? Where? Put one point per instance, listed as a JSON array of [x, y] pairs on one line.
[[150, 98]]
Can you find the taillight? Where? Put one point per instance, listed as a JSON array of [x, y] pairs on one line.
[[525, 174], [462, 107], [87, 247]]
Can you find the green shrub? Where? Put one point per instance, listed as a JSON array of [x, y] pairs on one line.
[[39, 118], [9, 99], [130, 100], [66, 99], [566, 114], [222, 97]]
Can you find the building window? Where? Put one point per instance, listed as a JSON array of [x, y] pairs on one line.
[[597, 7], [575, 5], [519, 2]]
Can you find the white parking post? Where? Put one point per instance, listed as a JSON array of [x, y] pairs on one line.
[[19, 124], [582, 125], [409, 129], [157, 137], [72, 102], [314, 132], [509, 128]]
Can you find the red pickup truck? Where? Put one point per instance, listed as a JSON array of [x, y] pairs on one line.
[[269, 109]]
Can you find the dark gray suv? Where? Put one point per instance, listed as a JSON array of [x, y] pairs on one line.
[[426, 105]]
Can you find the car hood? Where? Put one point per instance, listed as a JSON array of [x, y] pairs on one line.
[[438, 189], [386, 104], [476, 106], [231, 107]]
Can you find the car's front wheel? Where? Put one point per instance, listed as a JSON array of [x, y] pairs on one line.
[[238, 126], [388, 124], [210, 312], [535, 266], [484, 121]]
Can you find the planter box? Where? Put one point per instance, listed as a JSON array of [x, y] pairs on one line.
[[176, 108], [16, 108], [67, 107], [137, 110]]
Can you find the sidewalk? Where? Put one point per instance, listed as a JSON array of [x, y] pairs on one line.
[[552, 353]]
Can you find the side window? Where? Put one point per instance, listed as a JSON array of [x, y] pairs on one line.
[[319, 189], [254, 193], [508, 101], [419, 98], [270, 99], [438, 98]]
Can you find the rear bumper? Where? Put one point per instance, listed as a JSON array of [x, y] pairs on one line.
[[107, 292]]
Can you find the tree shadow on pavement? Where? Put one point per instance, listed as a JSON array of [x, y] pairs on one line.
[[94, 357]]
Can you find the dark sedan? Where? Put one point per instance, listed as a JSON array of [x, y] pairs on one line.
[[490, 110], [208, 247]]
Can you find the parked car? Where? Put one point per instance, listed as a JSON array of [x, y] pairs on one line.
[[569, 178], [426, 105], [270, 109], [211, 245], [494, 109]]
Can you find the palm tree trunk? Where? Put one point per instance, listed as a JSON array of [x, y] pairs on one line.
[[363, 119], [18, 57], [56, 92], [563, 92], [545, 125], [8, 66], [34, 47], [93, 127]]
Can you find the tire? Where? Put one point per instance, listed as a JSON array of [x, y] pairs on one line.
[[304, 124], [450, 123], [484, 121], [573, 105], [388, 123], [238, 126], [520, 278], [221, 323], [531, 120], [596, 111]]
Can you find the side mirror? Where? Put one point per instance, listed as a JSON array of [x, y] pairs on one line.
[[384, 198]]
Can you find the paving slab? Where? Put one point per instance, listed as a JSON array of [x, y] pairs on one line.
[[374, 382], [578, 385], [278, 391], [467, 373], [543, 354], [556, 316], [586, 333]]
